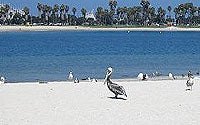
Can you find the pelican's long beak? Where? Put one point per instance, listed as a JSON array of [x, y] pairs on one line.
[[105, 79]]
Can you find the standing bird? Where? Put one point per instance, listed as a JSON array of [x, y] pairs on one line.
[[142, 76], [190, 83], [76, 80], [2, 80], [189, 74], [70, 77], [113, 87], [171, 76]]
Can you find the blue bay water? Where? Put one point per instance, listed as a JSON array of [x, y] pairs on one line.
[[32, 56]]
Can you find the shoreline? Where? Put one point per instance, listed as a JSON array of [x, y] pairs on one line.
[[159, 78], [151, 79], [81, 28]]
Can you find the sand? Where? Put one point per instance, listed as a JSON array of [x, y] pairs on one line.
[[161, 102], [80, 28]]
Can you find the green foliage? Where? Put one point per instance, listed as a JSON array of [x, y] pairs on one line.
[[144, 15]]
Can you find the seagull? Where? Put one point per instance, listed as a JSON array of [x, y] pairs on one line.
[[171, 76], [190, 74], [113, 87], [70, 77], [2, 81], [142, 76], [76, 80]]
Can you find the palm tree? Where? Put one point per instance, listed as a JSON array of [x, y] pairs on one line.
[[2, 11], [66, 13], [62, 11], [136, 14], [7, 8], [161, 15], [188, 13], [73, 18], [55, 10], [176, 12], [99, 15], [74, 11], [11, 15], [113, 5], [169, 8], [26, 11], [83, 11], [145, 5], [106, 16], [39, 7], [130, 15], [182, 13], [47, 10], [17, 18], [195, 17], [123, 14], [119, 13], [152, 15], [199, 12]]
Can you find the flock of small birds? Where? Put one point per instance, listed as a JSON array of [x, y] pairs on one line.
[[141, 76], [76, 80]]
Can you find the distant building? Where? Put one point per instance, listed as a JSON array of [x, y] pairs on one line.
[[90, 15]]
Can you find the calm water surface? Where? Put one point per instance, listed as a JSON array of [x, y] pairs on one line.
[[32, 56]]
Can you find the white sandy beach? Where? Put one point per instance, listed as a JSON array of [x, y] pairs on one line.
[[162, 102], [80, 28]]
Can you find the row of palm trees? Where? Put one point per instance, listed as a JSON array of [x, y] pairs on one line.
[[47, 14], [143, 15], [59, 14], [187, 14]]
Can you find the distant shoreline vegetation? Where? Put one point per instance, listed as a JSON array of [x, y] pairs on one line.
[[145, 15]]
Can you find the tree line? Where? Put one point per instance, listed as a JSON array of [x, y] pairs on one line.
[[142, 15]]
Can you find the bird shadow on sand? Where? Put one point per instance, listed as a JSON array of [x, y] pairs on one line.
[[117, 98]]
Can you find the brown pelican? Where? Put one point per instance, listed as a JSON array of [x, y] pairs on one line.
[[190, 83], [113, 87]]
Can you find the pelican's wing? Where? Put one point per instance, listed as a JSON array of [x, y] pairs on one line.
[[189, 82], [118, 89], [124, 92]]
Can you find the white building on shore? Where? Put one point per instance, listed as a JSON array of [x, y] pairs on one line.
[[90, 15]]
